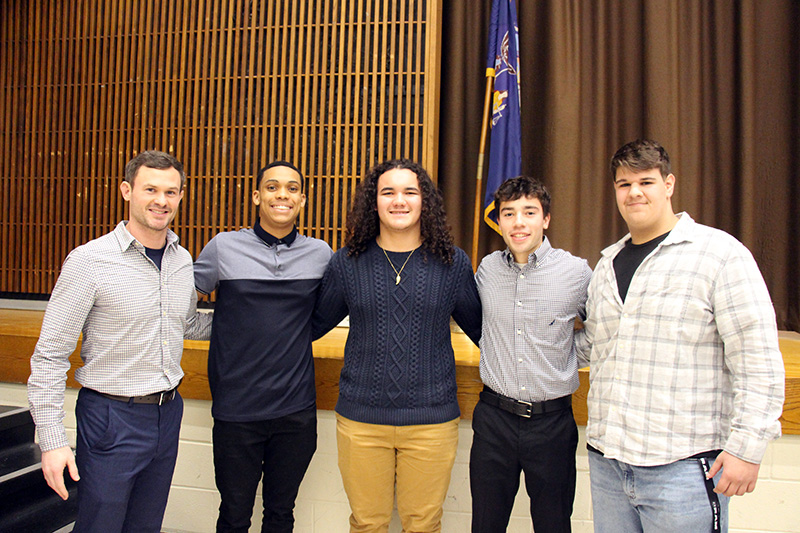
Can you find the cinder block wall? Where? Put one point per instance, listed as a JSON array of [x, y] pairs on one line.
[[322, 504]]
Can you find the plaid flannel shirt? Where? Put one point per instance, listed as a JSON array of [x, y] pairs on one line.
[[690, 362]]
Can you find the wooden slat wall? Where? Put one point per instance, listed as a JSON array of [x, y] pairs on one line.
[[225, 85]]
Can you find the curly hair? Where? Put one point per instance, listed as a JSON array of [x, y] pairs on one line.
[[363, 224]]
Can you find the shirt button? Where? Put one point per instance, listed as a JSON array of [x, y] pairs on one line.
[[164, 343], [519, 360], [519, 304], [277, 253], [522, 276], [522, 388], [519, 332]]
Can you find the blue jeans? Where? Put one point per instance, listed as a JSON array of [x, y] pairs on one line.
[[667, 498]]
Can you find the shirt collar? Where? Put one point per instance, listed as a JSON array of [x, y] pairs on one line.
[[273, 240], [535, 257], [683, 231], [125, 239]]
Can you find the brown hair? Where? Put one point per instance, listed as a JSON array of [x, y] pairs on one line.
[[153, 159], [641, 155]]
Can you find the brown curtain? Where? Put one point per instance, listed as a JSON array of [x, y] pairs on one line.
[[717, 82]]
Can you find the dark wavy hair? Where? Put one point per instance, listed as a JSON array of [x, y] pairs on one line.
[[363, 224], [641, 155], [516, 188]]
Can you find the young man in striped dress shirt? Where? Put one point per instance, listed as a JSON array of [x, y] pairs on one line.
[[531, 294]]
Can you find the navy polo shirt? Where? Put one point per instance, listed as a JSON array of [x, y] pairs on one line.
[[260, 363]]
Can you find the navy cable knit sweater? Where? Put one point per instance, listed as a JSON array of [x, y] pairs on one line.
[[399, 367]]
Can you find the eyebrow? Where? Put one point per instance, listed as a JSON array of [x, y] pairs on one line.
[[273, 180], [644, 178], [389, 188], [146, 185], [530, 206]]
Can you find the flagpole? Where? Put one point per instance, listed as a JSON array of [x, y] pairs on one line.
[[476, 223]]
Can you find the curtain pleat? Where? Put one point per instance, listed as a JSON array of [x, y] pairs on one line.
[[716, 82]]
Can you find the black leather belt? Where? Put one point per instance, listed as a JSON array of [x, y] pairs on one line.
[[524, 409], [157, 398]]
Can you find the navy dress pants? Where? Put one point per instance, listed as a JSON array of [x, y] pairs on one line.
[[126, 456], [277, 451]]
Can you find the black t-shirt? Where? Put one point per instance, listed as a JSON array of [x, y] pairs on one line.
[[628, 260], [155, 254]]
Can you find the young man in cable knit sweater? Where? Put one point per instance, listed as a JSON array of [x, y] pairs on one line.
[[400, 279]]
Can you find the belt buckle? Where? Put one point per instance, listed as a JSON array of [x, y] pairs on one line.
[[528, 407]]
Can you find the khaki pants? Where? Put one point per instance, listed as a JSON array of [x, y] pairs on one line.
[[418, 459]]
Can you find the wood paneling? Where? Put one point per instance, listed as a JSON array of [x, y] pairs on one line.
[[225, 85]]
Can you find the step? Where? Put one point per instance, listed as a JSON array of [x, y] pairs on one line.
[[20, 468], [39, 510], [16, 426], [27, 504]]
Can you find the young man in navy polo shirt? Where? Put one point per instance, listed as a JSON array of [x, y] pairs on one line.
[[260, 364]]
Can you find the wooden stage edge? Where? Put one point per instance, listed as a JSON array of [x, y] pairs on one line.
[[19, 331]]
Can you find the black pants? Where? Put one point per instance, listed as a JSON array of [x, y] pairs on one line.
[[543, 447], [280, 451]]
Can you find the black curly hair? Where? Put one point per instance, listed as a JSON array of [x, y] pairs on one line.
[[363, 224]]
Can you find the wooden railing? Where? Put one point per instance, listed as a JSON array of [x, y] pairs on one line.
[[19, 331]]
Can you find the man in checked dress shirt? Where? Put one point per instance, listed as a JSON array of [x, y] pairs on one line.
[[531, 294], [686, 381], [131, 293]]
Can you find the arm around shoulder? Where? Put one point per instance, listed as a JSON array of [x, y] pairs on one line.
[[468, 312], [206, 268], [331, 307]]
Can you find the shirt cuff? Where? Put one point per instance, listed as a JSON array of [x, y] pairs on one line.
[[52, 437], [746, 447]]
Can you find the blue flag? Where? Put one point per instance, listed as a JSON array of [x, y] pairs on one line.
[[505, 152]]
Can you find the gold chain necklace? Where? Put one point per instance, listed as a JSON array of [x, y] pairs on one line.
[[397, 279]]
